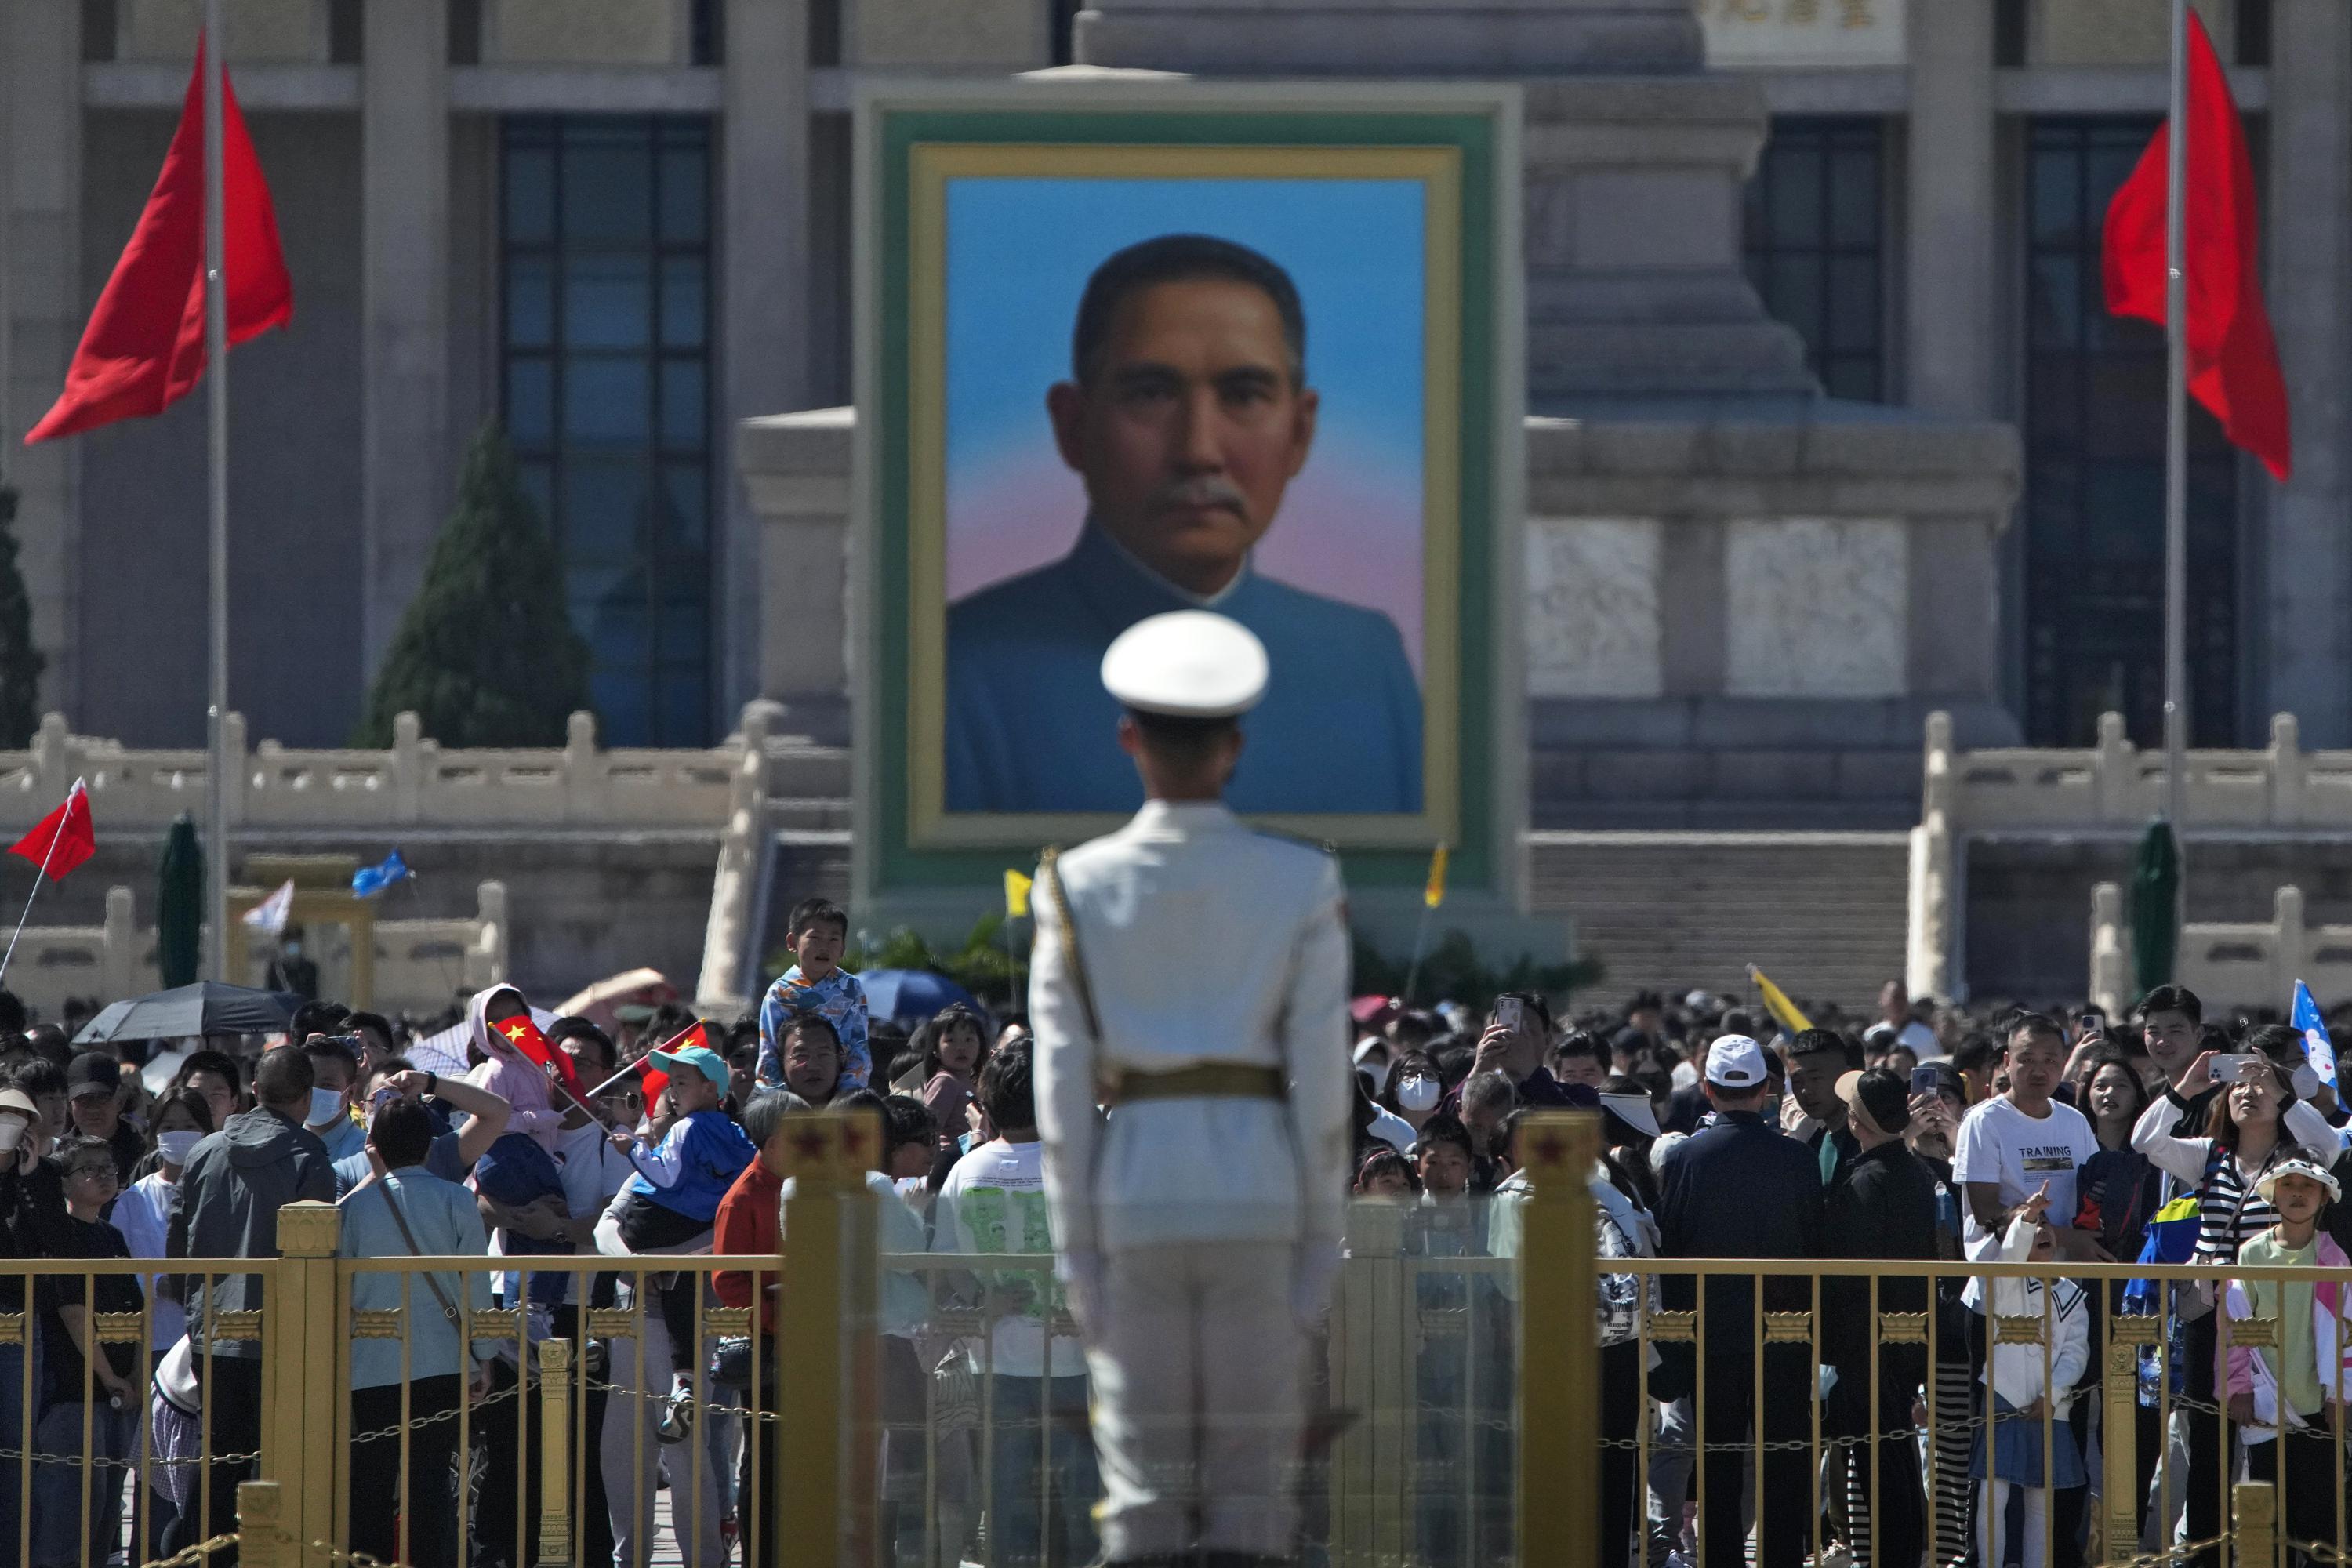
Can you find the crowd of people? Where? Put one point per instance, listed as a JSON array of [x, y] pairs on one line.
[[1911, 1135]]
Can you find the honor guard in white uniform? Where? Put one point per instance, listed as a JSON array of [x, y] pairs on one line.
[[1188, 999]]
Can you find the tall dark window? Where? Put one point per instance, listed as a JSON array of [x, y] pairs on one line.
[[2095, 475], [1813, 246], [605, 381]]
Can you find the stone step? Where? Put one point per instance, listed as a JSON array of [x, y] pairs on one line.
[[809, 814], [1824, 914], [797, 768]]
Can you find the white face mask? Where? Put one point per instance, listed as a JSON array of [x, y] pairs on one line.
[[175, 1147], [325, 1106], [1417, 1092]]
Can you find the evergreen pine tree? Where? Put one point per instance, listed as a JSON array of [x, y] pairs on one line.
[[20, 662], [485, 655]]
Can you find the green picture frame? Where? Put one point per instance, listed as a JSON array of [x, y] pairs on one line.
[[1460, 142]]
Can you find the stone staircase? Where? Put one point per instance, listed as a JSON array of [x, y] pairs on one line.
[[1824, 914]]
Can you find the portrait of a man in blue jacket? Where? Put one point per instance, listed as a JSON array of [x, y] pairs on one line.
[[1187, 413]]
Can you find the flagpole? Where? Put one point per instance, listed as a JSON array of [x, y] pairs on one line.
[[2176, 446], [39, 877], [216, 488]]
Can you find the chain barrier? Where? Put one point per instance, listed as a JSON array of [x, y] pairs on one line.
[[201, 1552], [2179, 1551]]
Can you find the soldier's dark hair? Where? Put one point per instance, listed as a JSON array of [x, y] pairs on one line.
[[1180, 259], [1185, 742]]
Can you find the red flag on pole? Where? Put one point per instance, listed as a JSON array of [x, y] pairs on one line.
[[2233, 365], [524, 1036], [655, 1078], [63, 839], [144, 346]]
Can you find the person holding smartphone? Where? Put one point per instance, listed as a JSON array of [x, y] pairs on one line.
[[1518, 1029]]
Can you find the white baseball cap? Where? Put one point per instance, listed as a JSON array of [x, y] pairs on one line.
[[1735, 1061]]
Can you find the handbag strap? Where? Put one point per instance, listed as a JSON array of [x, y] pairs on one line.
[[1049, 873], [408, 1238]]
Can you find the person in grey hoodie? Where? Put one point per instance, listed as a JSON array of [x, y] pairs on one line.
[[230, 1191]]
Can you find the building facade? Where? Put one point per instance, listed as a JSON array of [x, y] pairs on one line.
[[623, 227]]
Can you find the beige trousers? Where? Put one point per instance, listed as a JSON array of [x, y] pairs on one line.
[[1198, 1407]]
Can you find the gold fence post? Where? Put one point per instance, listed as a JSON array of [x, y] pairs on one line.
[[826, 1155], [299, 1341], [1559, 1407], [2253, 1520], [261, 1540], [555, 1453], [2119, 1488], [1371, 1380]]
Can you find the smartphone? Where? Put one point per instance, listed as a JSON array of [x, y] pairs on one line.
[[2090, 1024], [2229, 1069], [1509, 1011], [1924, 1081]]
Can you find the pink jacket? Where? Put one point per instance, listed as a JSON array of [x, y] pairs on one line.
[[2242, 1368], [512, 1076]]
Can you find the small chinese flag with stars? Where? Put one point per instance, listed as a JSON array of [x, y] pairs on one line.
[[656, 1079], [524, 1036]]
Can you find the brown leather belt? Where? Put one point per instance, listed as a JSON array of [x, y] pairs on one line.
[[1210, 1080]]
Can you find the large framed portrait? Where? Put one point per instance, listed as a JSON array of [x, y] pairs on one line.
[[1177, 346]]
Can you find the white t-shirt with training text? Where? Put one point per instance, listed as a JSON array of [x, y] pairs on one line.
[[2000, 1143], [994, 1201]]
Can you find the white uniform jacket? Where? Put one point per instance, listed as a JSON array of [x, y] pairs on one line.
[[1203, 942]]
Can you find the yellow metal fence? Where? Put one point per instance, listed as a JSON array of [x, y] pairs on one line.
[[1461, 1418]]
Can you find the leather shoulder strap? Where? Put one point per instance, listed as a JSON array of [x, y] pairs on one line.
[[1049, 873]]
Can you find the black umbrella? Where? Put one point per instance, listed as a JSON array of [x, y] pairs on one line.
[[207, 1007]]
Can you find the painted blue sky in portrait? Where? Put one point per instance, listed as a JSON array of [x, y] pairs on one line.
[[1018, 255]]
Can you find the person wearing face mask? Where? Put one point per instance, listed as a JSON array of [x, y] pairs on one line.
[[1414, 1087], [143, 1215], [335, 1069]]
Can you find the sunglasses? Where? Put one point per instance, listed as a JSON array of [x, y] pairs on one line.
[[633, 1102]]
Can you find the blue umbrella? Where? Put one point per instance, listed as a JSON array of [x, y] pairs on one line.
[[907, 996]]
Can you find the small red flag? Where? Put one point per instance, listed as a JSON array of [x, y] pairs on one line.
[[63, 839], [144, 347], [2234, 364], [655, 1078], [524, 1036]]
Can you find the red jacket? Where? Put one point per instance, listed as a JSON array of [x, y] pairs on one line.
[[746, 1224]]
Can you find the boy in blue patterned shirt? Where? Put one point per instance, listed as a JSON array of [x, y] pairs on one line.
[[817, 984]]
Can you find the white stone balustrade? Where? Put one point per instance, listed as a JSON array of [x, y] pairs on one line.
[[415, 783], [2116, 784], [420, 965], [2229, 965]]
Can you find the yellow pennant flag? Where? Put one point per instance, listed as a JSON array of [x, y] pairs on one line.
[[1435, 894], [1016, 895], [1776, 1002]]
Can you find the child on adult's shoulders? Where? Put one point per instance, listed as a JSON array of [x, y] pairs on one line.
[[818, 933]]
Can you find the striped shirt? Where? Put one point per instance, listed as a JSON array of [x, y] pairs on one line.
[[2233, 1212]]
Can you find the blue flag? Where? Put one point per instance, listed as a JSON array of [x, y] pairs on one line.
[[370, 880], [2318, 1048]]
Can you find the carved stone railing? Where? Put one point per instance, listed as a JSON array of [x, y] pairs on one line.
[[2112, 787], [414, 784], [2116, 784], [420, 965], [2229, 965]]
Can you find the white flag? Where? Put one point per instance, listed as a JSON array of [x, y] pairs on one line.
[[269, 915]]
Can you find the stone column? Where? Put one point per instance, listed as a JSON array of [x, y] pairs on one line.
[[404, 483], [2305, 613], [41, 309], [764, 304], [1951, 341]]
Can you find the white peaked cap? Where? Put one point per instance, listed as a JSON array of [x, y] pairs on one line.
[[1186, 663]]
